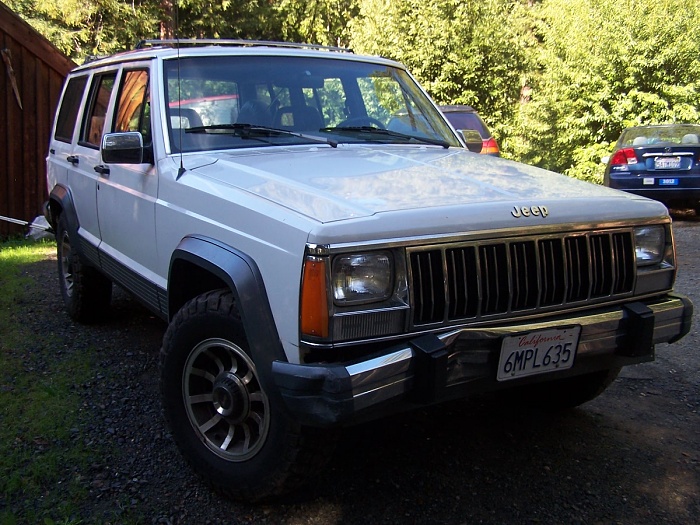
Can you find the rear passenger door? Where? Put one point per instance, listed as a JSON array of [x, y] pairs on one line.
[[126, 193], [87, 151], [71, 156]]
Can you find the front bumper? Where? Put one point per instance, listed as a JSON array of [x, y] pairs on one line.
[[463, 361]]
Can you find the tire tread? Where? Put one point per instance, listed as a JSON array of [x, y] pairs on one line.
[[306, 449]]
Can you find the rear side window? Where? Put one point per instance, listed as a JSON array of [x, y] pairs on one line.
[[467, 121], [93, 125], [67, 115]]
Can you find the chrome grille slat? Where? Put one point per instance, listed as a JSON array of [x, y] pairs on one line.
[[427, 290], [525, 277], [465, 281], [602, 270]]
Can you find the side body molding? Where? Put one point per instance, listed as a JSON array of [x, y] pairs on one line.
[[241, 275]]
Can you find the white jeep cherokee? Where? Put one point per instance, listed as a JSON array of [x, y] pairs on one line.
[[327, 251]]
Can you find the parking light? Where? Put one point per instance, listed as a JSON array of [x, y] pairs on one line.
[[314, 298]]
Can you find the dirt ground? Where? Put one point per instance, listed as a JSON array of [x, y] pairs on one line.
[[632, 456]]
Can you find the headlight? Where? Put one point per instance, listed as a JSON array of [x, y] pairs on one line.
[[362, 278], [650, 244]]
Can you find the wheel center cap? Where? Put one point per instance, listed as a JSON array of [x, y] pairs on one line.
[[230, 397]]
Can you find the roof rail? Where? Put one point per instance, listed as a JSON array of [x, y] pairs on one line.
[[184, 42], [93, 58]]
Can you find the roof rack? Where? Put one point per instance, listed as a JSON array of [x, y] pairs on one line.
[[186, 42], [93, 58]]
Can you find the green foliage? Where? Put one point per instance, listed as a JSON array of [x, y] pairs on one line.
[[463, 52], [556, 80], [80, 28], [316, 21], [225, 19], [603, 66]]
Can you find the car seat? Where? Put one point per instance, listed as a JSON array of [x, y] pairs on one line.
[[255, 113], [298, 118]]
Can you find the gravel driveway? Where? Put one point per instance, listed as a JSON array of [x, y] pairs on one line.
[[630, 457]]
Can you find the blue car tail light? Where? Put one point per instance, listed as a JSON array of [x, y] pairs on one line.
[[623, 157]]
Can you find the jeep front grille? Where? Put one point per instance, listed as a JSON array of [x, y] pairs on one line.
[[465, 281]]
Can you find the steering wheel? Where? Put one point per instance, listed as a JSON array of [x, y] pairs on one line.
[[361, 121]]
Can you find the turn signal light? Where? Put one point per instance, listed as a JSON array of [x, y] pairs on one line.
[[314, 299]]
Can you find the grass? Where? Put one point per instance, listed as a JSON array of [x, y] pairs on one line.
[[41, 454]]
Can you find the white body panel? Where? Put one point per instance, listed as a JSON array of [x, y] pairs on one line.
[[270, 202]]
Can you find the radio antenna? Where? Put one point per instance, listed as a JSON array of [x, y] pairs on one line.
[[181, 170]]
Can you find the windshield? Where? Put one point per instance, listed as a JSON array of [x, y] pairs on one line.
[[320, 100]]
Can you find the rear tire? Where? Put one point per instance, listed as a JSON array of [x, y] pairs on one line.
[[86, 292], [563, 394], [230, 430]]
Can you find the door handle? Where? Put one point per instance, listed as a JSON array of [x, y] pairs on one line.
[[73, 159], [102, 170]]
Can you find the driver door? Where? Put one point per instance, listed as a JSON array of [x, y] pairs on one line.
[[126, 193]]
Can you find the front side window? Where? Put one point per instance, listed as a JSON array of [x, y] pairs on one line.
[[94, 122], [133, 111], [296, 100]]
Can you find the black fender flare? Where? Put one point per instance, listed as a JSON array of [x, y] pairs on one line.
[[61, 203], [60, 197], [241, 275]]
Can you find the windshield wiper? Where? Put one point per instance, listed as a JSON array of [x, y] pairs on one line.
[[246, 131], [387, 132]]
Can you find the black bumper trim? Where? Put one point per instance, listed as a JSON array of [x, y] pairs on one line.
[[317, 395], [435, 367]]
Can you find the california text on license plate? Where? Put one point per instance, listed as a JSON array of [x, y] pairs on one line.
[[537, 352]]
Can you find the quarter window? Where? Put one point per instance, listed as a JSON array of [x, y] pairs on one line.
[[68, 114]]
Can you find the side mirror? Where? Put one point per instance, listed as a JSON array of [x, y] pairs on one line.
[[122, 148], [472, 139]]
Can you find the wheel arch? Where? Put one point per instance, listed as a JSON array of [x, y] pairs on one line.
[[61, 203], [199, 265]]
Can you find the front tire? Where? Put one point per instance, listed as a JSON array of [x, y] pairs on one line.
[[86, 292], [233, 434]]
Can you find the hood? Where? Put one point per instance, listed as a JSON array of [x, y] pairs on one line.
[[335, 184]]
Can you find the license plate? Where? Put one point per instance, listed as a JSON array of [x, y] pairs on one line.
[[537, 352], [667, 163], [668, 182]]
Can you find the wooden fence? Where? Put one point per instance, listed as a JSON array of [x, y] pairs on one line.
[[32, 77]]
